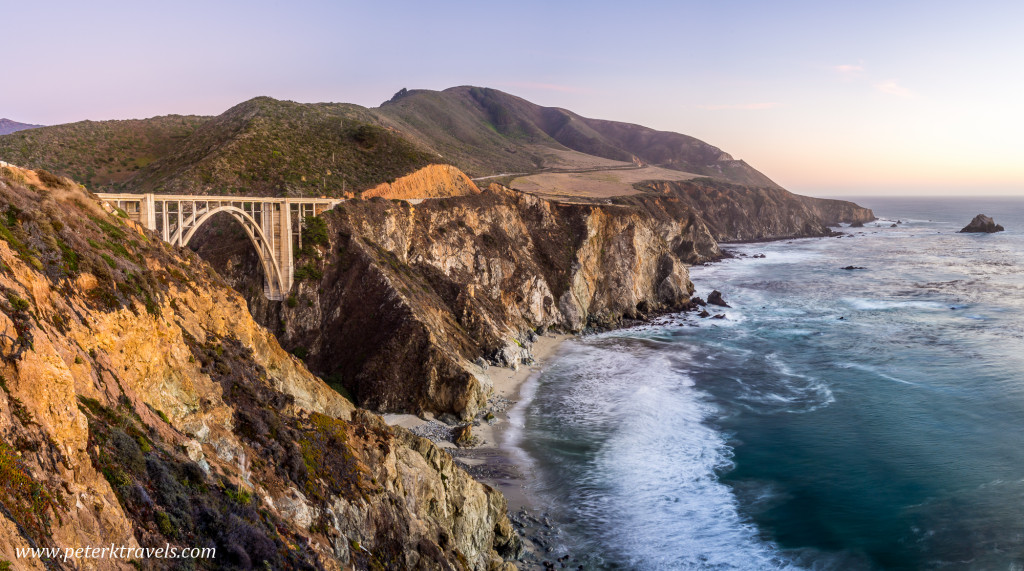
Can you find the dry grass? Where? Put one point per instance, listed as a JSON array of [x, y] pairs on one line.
[[594, 184]]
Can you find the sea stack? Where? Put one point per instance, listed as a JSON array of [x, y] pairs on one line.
[[982, 223]]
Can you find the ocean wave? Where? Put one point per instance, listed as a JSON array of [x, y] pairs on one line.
[[783, 390], [865, 304], [651, 484]]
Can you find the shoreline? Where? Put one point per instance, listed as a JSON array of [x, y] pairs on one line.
[[488, 458]]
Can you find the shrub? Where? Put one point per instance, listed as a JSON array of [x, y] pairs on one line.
[[314, 232], [51, 180], [17, 303], [240, 496], [308, 272], [163, 523], [27, 501]]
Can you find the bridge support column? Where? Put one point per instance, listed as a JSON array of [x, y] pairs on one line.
[[284, 252], [147, 211], [276, 223]]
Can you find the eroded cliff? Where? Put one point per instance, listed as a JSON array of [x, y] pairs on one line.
[[404, 305], [737, 213], [141, 405]]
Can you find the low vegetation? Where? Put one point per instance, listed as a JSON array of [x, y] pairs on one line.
[[103, 155]]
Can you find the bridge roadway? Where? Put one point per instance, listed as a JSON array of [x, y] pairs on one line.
[[273, 224]]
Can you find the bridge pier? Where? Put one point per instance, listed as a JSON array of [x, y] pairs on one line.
[[273, 225]]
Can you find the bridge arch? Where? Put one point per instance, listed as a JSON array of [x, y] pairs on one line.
[[271, 267], [272, 224]]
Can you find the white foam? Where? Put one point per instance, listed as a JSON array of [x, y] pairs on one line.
[[877, 373], [790, 392], [886, 305], [654, 480]]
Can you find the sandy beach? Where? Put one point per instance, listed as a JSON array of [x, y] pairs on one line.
[[489, 459]]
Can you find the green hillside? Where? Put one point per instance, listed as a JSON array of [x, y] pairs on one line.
[[267, 147], [103, 155], [486, 131]]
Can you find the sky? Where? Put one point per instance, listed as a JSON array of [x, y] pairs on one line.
[[824, 97]]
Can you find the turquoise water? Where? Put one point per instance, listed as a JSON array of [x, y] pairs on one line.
[[836, 419]]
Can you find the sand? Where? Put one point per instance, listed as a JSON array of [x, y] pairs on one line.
[[491, 460]]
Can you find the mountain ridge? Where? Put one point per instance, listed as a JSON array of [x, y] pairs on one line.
[[8, 126], [265, 146]]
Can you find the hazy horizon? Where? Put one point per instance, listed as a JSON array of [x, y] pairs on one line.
[[846, 99]]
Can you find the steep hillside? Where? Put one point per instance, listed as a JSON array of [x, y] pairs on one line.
[[103, 155], [140, 405], [7, 126], [402, 305], [736, 213], [266, 147], [486, 131]]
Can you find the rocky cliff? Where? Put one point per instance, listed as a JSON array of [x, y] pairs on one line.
[[140, 405], [737, 213], [431, 181], [404, 306]]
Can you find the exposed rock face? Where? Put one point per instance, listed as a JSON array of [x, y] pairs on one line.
[[141, 405], [411, 296], [432, 181], [982, 223], [831, 212], [735, 213], [403, 300]]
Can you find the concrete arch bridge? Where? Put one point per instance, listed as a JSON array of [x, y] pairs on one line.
[[274, 225]]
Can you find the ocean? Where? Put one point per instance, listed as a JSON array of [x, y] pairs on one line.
[[835, 419]]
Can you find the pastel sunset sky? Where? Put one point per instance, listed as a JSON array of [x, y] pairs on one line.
[[845, 98]]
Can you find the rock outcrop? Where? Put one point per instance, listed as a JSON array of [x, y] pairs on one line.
[[982, 224], [400, 301], [735, 213], [432, 181], [141, 405]]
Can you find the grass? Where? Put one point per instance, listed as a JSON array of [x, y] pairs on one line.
[[31, 503]]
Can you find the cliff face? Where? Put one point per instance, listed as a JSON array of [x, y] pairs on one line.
[[403, 305], [735, 213], [141, 405], [832, 212], [401, 302]]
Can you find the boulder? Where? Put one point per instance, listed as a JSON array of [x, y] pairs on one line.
[[982, 223], [715, 298], [463, 435]]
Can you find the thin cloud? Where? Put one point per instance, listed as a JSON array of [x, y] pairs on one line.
[[891, 87], [546, 87], [850, 70], [740, 106]]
